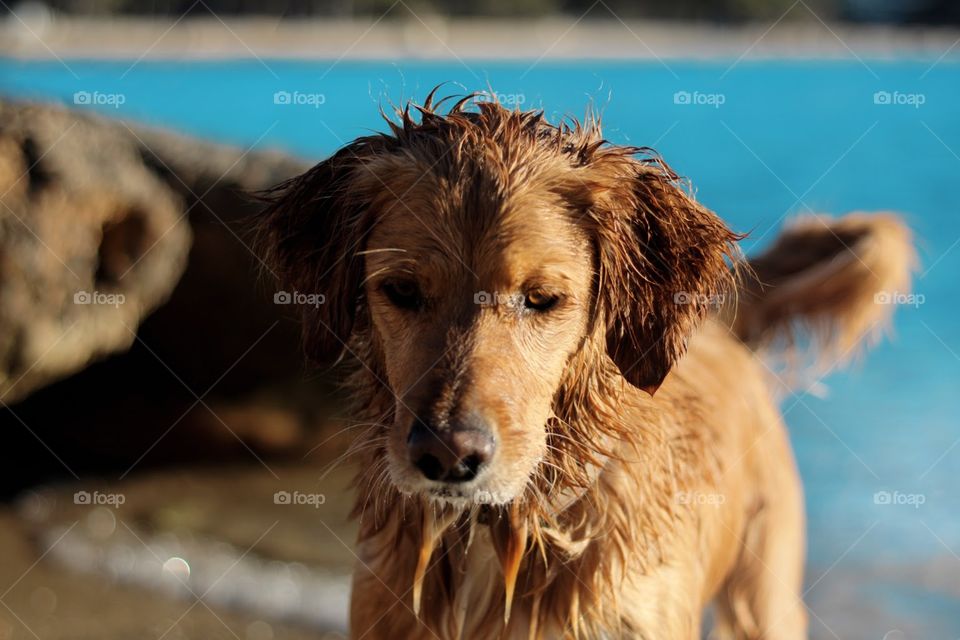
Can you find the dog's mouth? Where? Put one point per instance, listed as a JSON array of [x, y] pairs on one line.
[[412, 473], [449, 492], [463, 496]]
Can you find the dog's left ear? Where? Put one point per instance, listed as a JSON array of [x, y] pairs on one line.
[[663, 263], [311, 232]]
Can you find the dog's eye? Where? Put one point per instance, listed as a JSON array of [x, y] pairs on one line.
[[540, 300], [403, 293]]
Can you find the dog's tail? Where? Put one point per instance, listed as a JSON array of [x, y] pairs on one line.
[[824, 289]]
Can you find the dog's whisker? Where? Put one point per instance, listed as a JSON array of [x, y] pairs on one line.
[[374, 274], [367, 252], [342, 431]]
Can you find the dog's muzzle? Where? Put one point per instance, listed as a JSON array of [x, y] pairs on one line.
[[455, 453]]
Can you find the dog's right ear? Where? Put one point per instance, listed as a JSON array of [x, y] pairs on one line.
[[311, 233], [662, 258]]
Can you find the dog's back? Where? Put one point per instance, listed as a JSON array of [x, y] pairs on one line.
[[821, 292]]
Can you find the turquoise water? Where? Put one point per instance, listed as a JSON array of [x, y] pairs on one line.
[[764, 141]]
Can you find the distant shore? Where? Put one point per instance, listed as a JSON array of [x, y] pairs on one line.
[[402, 34]]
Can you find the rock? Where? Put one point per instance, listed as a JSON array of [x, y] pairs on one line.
[[95, 231], [91, 241], [135, 324]]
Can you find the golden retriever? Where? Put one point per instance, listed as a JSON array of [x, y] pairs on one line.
[[569, 432]]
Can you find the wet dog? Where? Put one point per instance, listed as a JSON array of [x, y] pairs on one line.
[[568, 430]]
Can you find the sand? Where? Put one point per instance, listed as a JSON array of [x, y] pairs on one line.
[[37, 34]]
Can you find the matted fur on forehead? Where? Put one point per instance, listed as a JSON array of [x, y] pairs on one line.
[[476, 164]]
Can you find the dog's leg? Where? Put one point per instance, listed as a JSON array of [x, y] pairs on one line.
[[761, 599], [660, 606]]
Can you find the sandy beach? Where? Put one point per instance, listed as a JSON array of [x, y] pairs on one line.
[[401, 33]]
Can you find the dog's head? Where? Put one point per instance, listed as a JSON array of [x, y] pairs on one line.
[[476, 262]]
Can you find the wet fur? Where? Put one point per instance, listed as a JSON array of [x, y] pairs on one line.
[[640, 509]]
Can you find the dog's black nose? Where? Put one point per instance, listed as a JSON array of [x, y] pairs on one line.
[[452, 454]]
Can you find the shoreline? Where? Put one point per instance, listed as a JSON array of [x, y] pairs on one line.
[[42, 36]]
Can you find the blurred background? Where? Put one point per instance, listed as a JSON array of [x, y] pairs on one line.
[[169, 468]]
